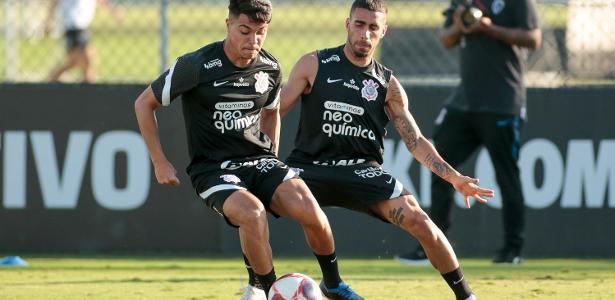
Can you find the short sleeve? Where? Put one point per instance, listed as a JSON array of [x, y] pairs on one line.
[[526, 15], [181, 77], [274, 95]]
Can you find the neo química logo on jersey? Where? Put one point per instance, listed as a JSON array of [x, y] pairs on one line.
[[229, 117], [338, 120]]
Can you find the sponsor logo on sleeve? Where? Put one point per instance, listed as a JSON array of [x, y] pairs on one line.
[[332, 58], [213, 63], [268, 61]]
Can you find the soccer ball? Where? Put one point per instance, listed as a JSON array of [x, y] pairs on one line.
[[294, 286]]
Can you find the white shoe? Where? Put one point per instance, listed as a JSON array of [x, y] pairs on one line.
[[472, 297], [253, 293]]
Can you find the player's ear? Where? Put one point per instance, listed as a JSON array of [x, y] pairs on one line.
[[347, 23], [384, 31]]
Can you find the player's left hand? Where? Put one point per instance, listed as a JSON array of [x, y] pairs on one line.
[[468, 187]]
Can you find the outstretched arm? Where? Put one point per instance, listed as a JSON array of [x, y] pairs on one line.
[[145, 105], [300, 82], [423, 150]]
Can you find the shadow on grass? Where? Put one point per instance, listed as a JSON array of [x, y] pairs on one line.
[[118, 281]]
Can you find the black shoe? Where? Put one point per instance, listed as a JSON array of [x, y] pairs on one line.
[[415, 258], [508, 255]]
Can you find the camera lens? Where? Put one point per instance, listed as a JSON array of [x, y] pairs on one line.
[[471, 15]]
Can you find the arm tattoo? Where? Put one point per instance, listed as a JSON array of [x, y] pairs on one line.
[[396, 215], [438, 166], [407, 133]]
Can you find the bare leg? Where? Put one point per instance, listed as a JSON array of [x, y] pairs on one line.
[[293, 199], [72, 59], [89, 63], [406, 213], [246, 211]]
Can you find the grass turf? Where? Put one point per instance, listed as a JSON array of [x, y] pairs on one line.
[[67, 278]]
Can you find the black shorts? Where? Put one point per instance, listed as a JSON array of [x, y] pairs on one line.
[[76, 38], [260, 177], [357, 187]]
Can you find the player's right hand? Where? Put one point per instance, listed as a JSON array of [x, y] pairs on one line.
[[166, 173]]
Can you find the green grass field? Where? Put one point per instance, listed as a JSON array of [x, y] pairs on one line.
[[129, 51], [67, 278]]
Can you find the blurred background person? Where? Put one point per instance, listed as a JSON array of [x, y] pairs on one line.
[[487, 108], [76, 17]]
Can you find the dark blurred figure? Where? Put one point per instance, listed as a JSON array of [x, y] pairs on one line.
[[487, 108]]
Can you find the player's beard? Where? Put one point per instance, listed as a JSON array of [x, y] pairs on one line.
[[356, 52]]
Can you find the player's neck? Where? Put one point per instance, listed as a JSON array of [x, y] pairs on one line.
[[357, 60], [234, 57]]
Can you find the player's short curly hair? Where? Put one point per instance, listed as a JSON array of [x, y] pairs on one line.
[[372, 5], [256, 10]]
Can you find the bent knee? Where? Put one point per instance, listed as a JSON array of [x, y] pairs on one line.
[[420, 225], [307, 211], [251, 215]]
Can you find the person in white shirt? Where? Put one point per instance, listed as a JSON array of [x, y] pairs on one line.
[[76, 17]]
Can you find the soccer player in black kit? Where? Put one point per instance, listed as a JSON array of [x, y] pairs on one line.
[[230, 100], [347, 98]]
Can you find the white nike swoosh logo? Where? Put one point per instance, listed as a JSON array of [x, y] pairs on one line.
[[220, 83], [329, 80], [389, 181], [457, 282], [334, 259]]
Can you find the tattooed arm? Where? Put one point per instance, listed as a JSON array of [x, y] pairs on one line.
[[419, 146], [422, 149]]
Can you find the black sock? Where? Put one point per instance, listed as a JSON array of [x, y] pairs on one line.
[[251, 277], [265, 281], [330, 272], [458, 284]]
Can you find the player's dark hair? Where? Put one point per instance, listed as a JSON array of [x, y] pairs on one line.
[[371, 5], [256, 10]]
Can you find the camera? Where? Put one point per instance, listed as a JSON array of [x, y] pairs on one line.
[[471, 14]]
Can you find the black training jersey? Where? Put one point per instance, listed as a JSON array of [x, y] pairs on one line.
[[492, 70], [343, 118], [222, 103]]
